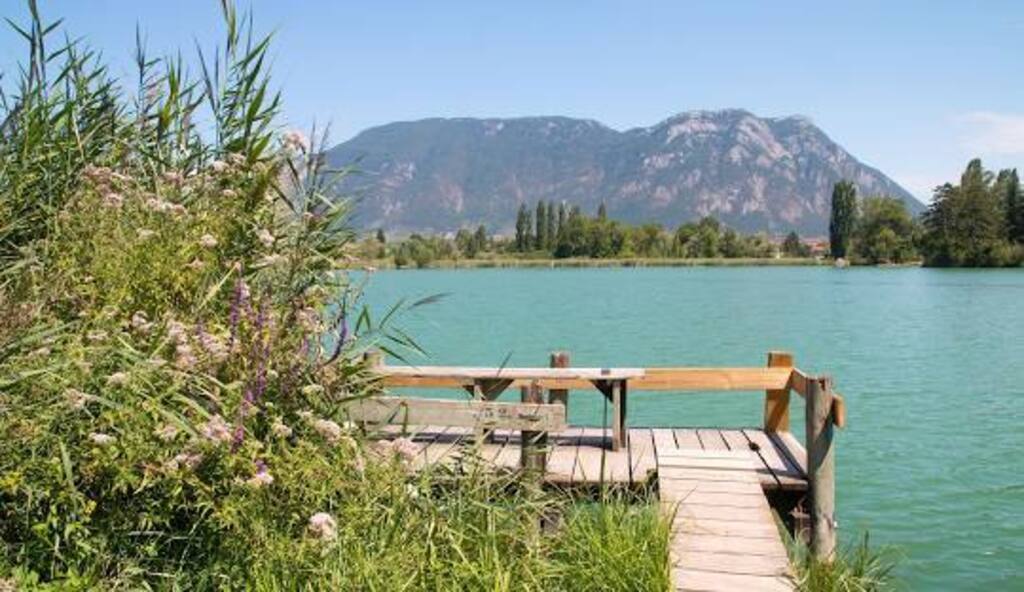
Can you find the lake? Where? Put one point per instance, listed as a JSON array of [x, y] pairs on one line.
[[931, 363]]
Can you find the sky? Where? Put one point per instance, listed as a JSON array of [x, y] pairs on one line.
[[913, 88]]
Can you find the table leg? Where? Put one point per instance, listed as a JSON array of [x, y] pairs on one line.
[[618, 414]]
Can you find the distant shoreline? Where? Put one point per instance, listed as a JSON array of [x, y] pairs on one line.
[[570, 263]]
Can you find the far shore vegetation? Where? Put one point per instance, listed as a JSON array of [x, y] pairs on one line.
[[978, 223]]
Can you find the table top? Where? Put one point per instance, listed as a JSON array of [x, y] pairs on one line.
[[487, 373]]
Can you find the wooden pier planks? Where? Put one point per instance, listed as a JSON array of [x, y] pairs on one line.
[[724, 536], [583, 455]]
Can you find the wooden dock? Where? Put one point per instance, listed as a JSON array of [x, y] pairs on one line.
[[724, 535], [583, 456], [729, 492]]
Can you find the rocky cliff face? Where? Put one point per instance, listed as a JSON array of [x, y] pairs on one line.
[[752, 173]]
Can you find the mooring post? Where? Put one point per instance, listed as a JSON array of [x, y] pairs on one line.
[[534, 445], [776, 401], [821, 467], [560, 359]]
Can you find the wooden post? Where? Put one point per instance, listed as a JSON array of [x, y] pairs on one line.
[[374, 358], [618, 414], [559, 359], [821, 467], [776, 402], [533, 458]]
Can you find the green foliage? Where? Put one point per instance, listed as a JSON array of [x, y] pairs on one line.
[[177, 346], [843, 218], [540, 235], [792, 246], [524, 224], [966, 224], [857, 568], [1008, 189], [885, 232]]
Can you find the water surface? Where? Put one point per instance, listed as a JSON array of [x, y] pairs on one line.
[[931, 363]]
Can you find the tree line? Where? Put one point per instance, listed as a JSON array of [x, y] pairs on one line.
[[976, 223]]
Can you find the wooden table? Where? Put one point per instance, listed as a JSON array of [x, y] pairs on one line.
[[487, 384]]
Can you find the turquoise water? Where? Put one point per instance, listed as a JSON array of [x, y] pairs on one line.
[[931, 363]]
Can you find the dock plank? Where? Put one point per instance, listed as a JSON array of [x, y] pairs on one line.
[[711, 439], [693, 580], [687, 439], [642, 462], [724, 535]]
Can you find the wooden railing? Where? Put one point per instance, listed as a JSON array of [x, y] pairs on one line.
[[825, 409]]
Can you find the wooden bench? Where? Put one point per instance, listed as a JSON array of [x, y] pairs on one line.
[[532, 417], [486, 384]]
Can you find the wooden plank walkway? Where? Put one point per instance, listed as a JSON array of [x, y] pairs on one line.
[[583, 455], [724, 536]]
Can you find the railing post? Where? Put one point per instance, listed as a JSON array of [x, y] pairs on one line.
[[776, 402], [559, 359], [821, 467], [533, 445], [373, 358]]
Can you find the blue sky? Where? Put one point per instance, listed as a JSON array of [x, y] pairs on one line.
[[913, 88]]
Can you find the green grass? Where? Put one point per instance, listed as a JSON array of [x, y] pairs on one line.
[[856, 568]]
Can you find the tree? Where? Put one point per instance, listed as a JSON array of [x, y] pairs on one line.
[[885, 231], [480, 238], [843, 219], [602, 212], [550, 232], [573, 239], [541, 233], [561, 223], [792, 246], [1013, 204], [380, 236], [965, 224], [523, 224]]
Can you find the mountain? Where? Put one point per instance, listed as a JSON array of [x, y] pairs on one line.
[[752, 173]]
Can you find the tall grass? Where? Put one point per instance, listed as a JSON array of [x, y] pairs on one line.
[[856, 568], [177, 345]]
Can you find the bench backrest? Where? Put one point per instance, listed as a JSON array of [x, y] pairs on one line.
[[535, 417]]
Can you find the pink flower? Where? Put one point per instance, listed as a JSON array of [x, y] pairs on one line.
[[208, 241], [219, 166], [295, 141], [176, 332], [186, 460], [141, 323], [117, 379], [405, 448], [216, 430], [113, 200], [281, 430], [77, 399], [101, 439], [323, 526], [265, 237], [329, 430], [173, 177], [229, 194], [166, 432], [261, 478]]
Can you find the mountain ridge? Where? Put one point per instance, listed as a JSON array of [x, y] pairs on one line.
[[753, 173]]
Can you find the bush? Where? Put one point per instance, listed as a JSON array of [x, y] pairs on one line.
[[176, 349]]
